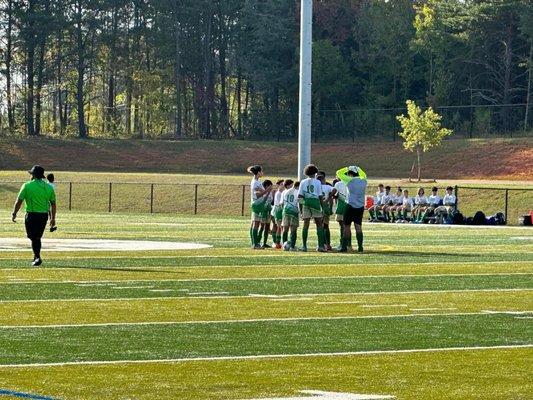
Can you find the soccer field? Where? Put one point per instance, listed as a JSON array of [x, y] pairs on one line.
[[427, 312]]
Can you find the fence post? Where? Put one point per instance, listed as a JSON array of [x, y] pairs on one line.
[[242, 200], [456, 197], [110, 195], [151, 198], [70, 196], [506, 204], [195, 199]]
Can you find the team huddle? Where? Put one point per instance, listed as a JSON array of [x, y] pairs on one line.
[[277, 209]]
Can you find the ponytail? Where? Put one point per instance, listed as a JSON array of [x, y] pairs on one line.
[[254, 169]]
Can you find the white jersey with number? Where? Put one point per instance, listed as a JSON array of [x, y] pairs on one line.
[[255, 186], [310, 188], [326, 191], [290, 199]]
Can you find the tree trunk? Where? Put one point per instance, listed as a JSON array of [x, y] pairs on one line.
[[528, 95], [224, 114], [80, 68], [177, 69], [9, 57], [508, 65], [111, 109], [418, 157], [40, 78], [239, 101], [30, 71]]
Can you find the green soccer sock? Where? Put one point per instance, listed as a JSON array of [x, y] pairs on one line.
[[359, 236], [285, 236], [341, 236], [294, 236], [255, 234], [252, 236], [265, 237], [305, 233], [321, 236], [327, 236], [371, 214]]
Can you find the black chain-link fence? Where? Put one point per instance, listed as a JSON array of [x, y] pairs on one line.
[[234, 200]]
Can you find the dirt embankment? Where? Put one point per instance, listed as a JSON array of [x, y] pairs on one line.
[[509, 159]]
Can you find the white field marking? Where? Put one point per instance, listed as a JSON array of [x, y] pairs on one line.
[[206, 293], [434, 309], [269, 356], [160, 268], [524, 317], [383, 305], [131, 287], [161, 290], [522, 238], [298, 299], [10, 244], [337, 302], [317, 395], [294, 296], [282, 278], [507, 312], [92, 283], [242, 321]]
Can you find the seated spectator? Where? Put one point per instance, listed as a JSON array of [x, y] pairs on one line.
[[421, 202], [397, 202], [406, 208], [377, 202], [448, 205], [386, 199], [434, 201]]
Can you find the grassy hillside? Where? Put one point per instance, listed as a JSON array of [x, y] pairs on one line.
[[502, 159]]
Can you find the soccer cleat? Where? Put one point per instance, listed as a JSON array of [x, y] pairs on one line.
[[360, 250], [321, 250], [303, 249], [277, 246], [36, 262], [257, 247], [342, 249], [53, 228], [266, 246], [329, 248]]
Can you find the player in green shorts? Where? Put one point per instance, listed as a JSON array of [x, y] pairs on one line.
[[340, 195], [311, 198], [291, 214], [277, 214], [259, 197], [327, 207], [40, 198], [266, 214]]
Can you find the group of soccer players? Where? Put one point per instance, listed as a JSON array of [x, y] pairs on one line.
[[401, 208], [277, 209]]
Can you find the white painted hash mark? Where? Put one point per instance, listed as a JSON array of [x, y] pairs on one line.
[[316, 394]]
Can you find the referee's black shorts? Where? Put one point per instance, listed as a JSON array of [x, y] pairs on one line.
[[35, 225], [353, 215]]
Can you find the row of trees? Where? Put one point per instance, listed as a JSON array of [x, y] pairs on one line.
[[229, 68]]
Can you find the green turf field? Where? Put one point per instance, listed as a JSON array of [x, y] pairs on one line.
[[426, 313]]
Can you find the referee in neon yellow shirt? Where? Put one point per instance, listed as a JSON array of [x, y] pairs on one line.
[[40, 198]]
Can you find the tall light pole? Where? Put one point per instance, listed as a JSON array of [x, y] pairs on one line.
[[306, 61]]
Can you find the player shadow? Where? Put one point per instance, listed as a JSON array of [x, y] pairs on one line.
[[414, 253]]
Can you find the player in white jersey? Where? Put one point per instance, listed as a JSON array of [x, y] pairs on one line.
[[258, 199], [449, 204], [340, 196], [406, 208], [397, 202], [373, 211], [311, 198], [291, 213], [327, 207], [421, 203], [277, 214], [434, 201]]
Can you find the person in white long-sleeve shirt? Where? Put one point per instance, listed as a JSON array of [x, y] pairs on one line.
[[449, 203]]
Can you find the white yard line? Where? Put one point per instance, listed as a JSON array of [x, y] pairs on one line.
[[245, 321], [267, 356], [383, 305], [287, 278], [337, 302], [158, 268], [434, 309], [292, 295]]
